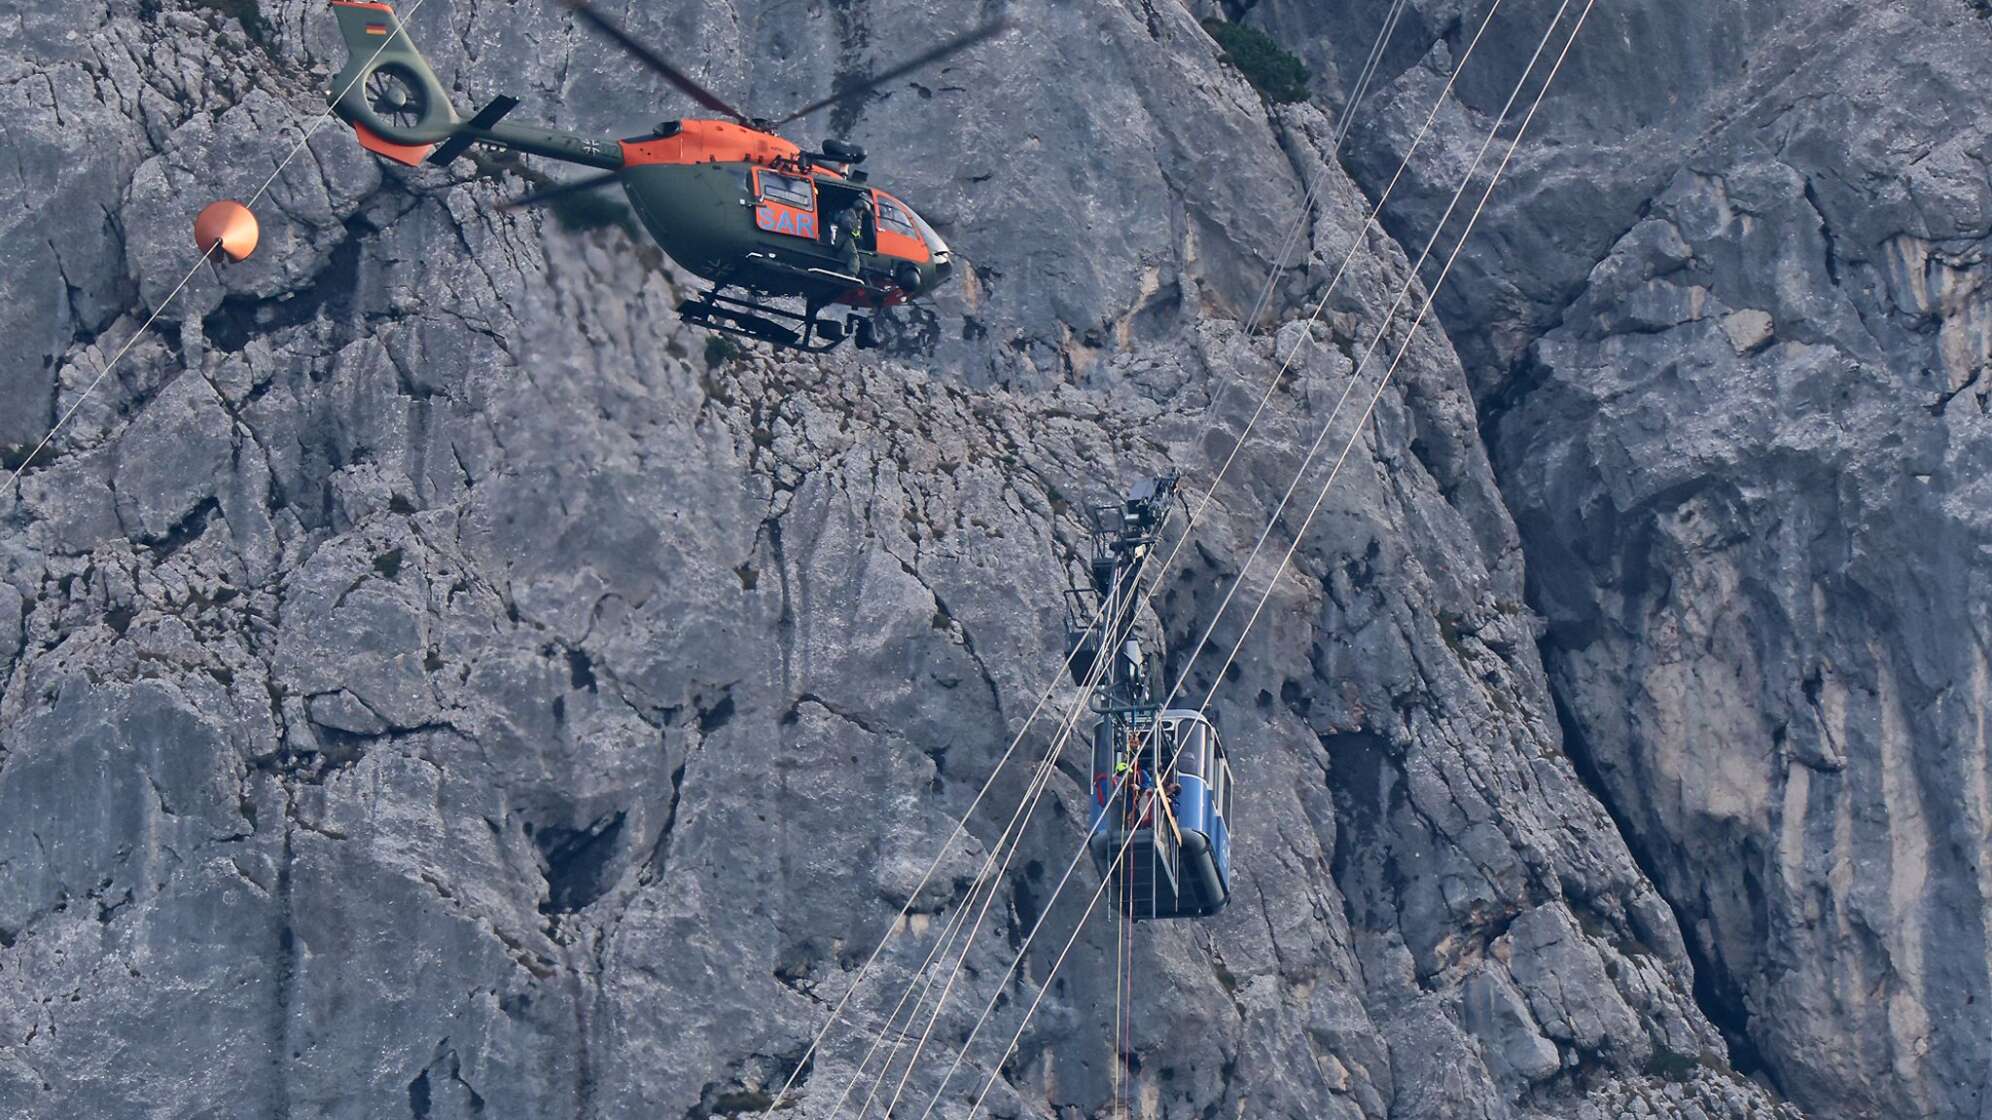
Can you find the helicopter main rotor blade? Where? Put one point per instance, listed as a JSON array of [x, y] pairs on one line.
[[560, 190], [655, 61], [959, 43]]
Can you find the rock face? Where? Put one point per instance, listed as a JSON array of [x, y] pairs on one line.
[[1732, 380], [437, 685]]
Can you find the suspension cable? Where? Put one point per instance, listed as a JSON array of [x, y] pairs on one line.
[[858, 980], [1409, 339], [960, 827], [1272, 385], [1026, 804], [1347, 117], [1008, 848], [1067, 727], [923, 978], [1293, 353], [1120, 963], [1370, 67], [1377, 395], [1454, 256], [318, 120], [1053, 749], [1144, 596], [1355, 245], [1355, 375], [1125, 1043]]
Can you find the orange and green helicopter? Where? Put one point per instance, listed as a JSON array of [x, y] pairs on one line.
[[729, 200]]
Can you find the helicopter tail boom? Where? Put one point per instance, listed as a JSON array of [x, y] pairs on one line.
[[399, 109]]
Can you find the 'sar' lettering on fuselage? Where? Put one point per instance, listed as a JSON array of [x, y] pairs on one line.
[[781, 219]]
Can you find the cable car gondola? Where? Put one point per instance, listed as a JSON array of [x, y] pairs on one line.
[[1166, 856]]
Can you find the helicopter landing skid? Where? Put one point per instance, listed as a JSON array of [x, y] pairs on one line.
[[871, 287], [732, 315]]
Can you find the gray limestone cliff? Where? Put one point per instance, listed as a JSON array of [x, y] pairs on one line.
[[433, 684]]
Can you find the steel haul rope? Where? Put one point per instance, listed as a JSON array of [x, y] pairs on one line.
[[1203, 502], [923, 978], [1356, 244], [989, 876], [1346, 117], [1026, 805], [1064, 735], [1144, 596], [317, 121], [1065, 878], [1377, 395]]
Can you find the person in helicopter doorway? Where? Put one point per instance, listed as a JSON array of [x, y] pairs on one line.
[[854, 224]]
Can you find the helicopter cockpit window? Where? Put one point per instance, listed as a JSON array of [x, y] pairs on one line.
[[893, 217], [934, 243], [787, 191]]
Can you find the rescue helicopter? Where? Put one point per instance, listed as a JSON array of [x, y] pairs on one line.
[[729, 200]]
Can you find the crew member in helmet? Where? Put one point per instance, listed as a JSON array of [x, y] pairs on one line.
[[853, 226]]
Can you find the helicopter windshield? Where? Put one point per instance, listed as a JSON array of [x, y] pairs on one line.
[[893, 216], [934, 243]]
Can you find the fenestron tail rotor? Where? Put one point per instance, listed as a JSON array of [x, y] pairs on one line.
[[397, 100]]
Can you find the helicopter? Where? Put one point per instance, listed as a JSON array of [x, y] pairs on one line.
[[729, 199]]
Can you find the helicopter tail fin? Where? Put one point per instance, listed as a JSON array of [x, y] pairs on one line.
[[395, 103]]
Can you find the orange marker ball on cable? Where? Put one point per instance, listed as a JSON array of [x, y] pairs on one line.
[[230, 225]]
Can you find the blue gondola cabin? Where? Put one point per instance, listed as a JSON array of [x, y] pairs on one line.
[[1165, 856]]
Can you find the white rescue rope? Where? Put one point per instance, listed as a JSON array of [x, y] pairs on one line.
[[317, 122]]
